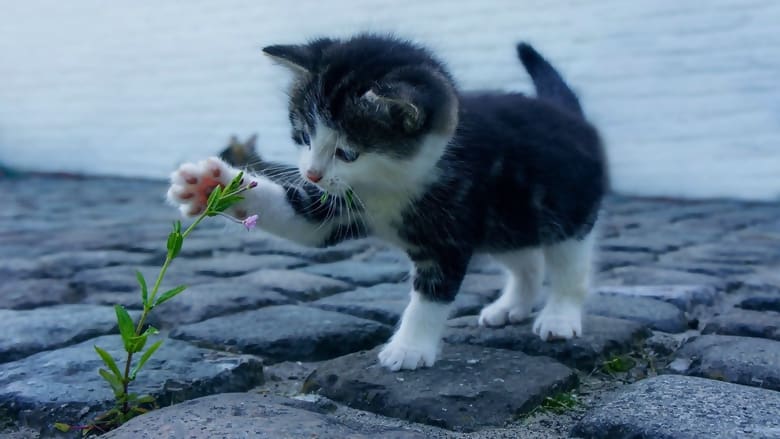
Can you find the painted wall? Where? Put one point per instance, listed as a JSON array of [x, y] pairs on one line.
[[685, 92]]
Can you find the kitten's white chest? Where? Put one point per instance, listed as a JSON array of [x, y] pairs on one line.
[[384, 215]]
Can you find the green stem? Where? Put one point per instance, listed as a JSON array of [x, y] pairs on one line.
[[149, 305]]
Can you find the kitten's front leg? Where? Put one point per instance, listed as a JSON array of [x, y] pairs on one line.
[[416, 342], [192, 183]]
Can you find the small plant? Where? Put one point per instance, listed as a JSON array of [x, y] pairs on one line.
[[618, 364], [559, 403], [135, 335]]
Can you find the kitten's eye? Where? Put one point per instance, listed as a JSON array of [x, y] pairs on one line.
[[305, 138], [346, 155]]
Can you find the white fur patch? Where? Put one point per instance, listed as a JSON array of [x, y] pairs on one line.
[[561, 320], [382, 185], [569, 264], [525, 269], [416, 342]]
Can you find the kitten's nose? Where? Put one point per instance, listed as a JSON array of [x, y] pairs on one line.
[[313, 175]]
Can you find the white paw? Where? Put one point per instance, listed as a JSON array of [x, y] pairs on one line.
[[192, 184], [396, 356], [499, 313], [559, 322]]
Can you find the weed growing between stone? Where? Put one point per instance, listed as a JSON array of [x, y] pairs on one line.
[[560, 403], [556, 404], [135, 335], [618, 364]]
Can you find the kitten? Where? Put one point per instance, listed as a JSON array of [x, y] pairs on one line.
[[382, 128], [244, 156]]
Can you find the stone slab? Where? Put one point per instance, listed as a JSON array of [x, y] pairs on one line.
[[287, 332], [66, 264], [26, 332], [603, 336], [745, 322], [386, 302], [609, 259], [247, 415], [204, 301], [236, 264], [264, 243], [16, 267], [648, 275], [742, 360], [468, 388], [362, 273], [761, 302], [33, 293], [680, 407], [685, 297], [63, 385], [294, 283], [122, 278], [655, 314]]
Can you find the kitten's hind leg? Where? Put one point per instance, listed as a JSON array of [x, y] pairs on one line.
[[526, 272], [569, 267]]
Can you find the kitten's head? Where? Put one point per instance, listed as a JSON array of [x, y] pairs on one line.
[[241, 154], [369, 112]]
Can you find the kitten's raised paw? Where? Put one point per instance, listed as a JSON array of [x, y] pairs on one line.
[[396, 356], [192, 184], [558, 323], [498, 314]]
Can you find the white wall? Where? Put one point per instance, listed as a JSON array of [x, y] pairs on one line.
[[685, 92]]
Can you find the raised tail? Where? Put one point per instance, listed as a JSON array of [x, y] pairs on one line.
[[549, 84]]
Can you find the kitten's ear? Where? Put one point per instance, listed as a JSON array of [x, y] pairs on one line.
[[251, 142], [300, 58], [398, 105], [296, 58], [233, 140]]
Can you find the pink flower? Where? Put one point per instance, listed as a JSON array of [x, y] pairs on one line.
[[252, 184], [250, 222]]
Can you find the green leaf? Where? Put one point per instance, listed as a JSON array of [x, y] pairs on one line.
[[324, 198], [62, 427], [175, 240], [168, 295], [215, 195], [226, 202], [151, 330], [234, 183], [146, 399], [109, 361], [114, 382], [144, 358], [125, 324], [144, 288], [137, 343], [177, 226]]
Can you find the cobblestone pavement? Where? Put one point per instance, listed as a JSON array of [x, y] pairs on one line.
[[682, 335]]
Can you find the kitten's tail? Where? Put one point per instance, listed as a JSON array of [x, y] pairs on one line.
[[549, 84]]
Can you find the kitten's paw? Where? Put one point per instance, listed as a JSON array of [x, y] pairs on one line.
[[559, 322], [192, 184], [499, 313], [396, 356]]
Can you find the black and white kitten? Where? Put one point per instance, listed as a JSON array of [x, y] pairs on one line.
[[405, 157]]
